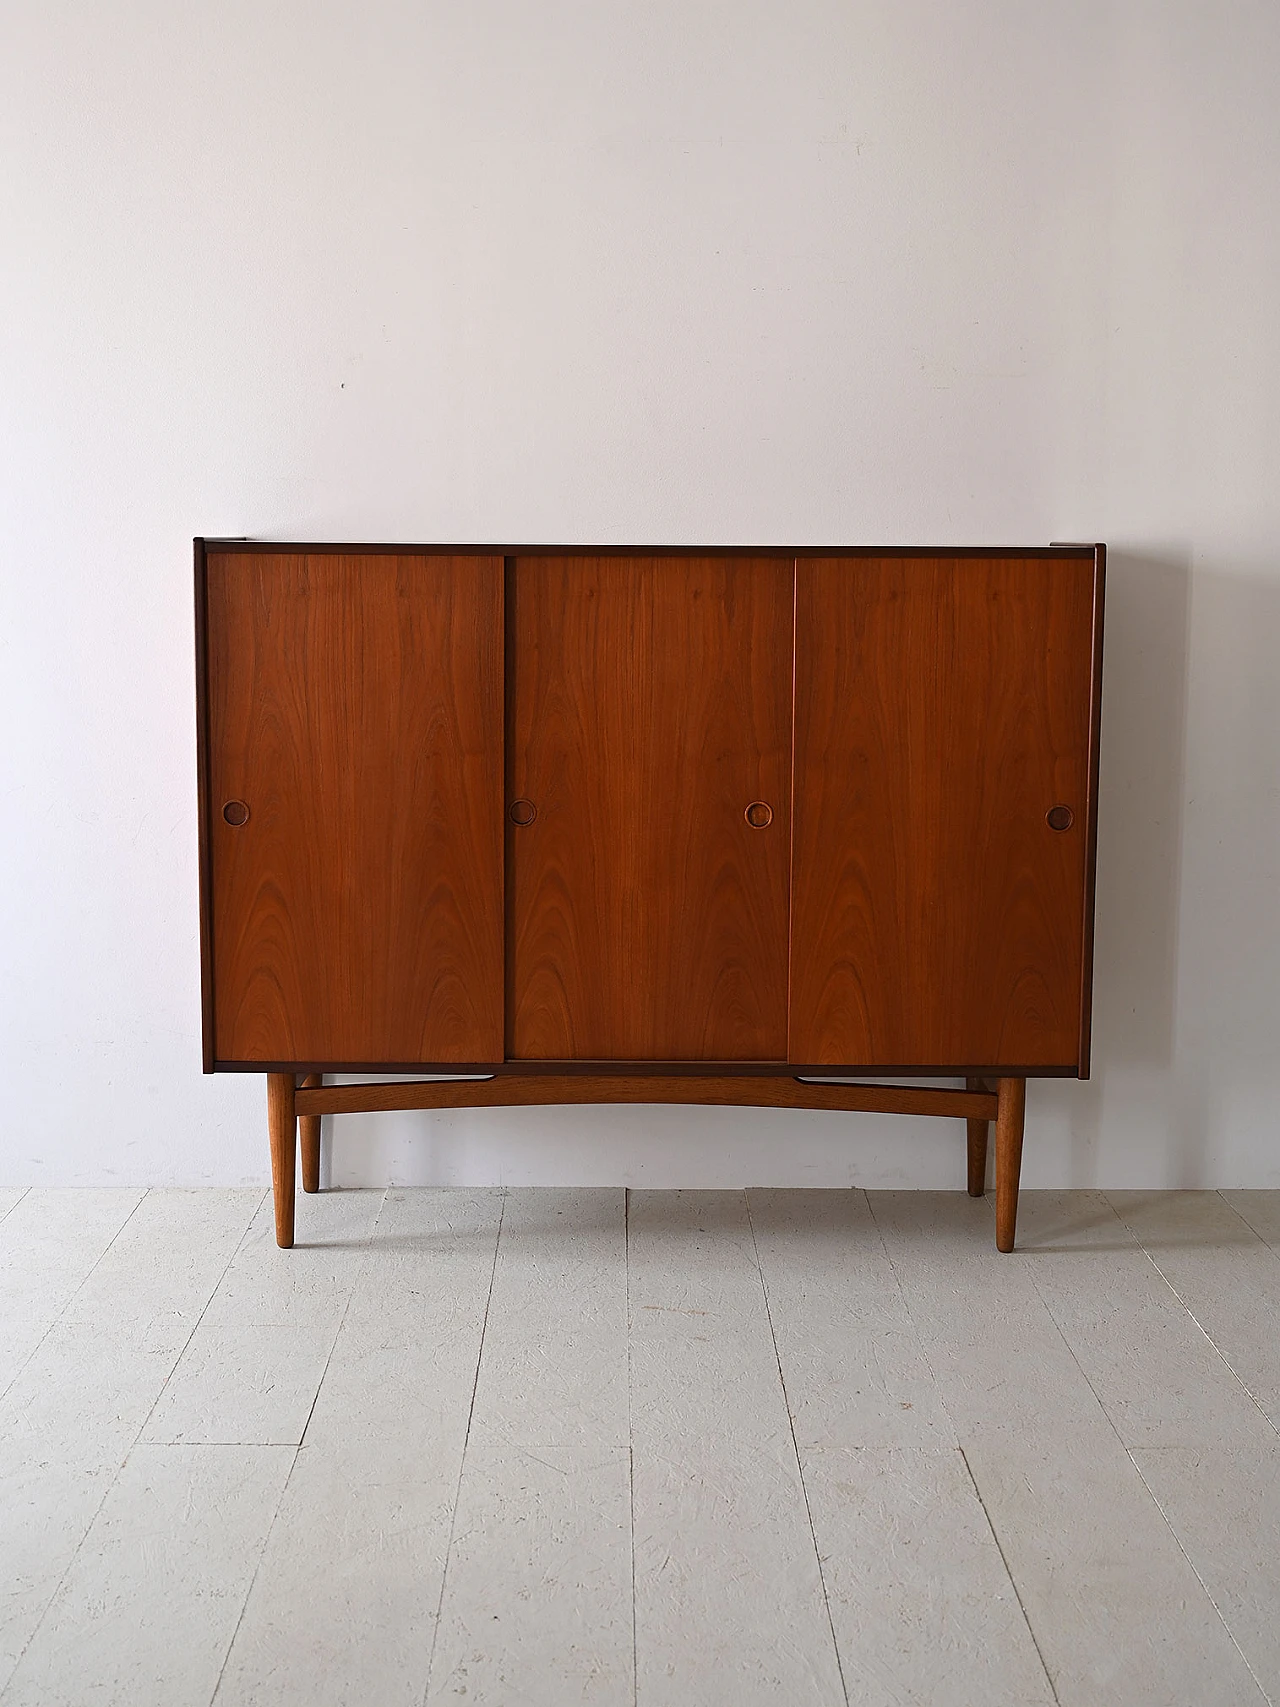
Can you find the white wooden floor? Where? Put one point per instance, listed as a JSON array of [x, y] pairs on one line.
[[679, 1449]]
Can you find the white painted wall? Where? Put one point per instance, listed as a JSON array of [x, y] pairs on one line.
[[882, 271]]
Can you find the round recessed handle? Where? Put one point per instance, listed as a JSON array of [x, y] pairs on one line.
[[1059, 817], [759, 814], [236, 813], [522, 812]]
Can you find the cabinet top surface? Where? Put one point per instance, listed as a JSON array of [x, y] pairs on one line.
[[1072, 549]]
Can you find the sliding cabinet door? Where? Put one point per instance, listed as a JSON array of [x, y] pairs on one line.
[[648, 837], [942, 809], [354, 807]]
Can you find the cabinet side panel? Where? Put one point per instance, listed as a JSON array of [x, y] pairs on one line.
[[650, 707], [355, 708], [942, 709], [202, 811], [1091, 832]]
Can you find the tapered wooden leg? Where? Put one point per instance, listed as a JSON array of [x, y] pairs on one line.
[[1011, 1104], [283, 1123], [309, 1138], [977, 1146]]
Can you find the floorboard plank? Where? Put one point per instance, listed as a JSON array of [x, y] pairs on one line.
[[1156, 1373], [852, 1365], [250, 1373], [537, 1604], [1224, 1273], [372, 1491], [537, 1609], [554, 1370], [1261, 1209], [922, 1604], [1224, 1506], [729, 1600]]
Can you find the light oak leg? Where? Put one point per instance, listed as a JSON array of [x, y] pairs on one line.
[[977, 1146], [282, 1121], [1011, 1105], [309, 1137]]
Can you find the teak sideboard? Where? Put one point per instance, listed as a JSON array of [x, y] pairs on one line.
[[647, 825]]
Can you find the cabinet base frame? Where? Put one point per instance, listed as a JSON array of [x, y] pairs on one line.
[[292, 1108]]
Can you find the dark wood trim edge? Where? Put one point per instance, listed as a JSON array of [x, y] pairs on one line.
[[662, 1069], [1091, 815], [509, 660], [207, 1009], [356, 548]]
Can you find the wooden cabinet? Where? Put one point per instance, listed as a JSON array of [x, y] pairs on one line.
[[639, 825]]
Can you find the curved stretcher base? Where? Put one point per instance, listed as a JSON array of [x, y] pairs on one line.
[[294, 1110]]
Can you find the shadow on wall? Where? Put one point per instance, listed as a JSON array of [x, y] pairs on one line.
[[1140, 831], [1223, 1100], [1144, 740], [1186, 979]]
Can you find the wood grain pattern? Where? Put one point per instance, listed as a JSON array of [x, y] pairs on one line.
[[309, 1139], [1010, 1121], [355, 705], [547, 1089], [282, 1129], [977, 1138], [649, 705], [942, 707]]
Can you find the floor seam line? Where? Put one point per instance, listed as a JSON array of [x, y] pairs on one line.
[[257, 1567], [1191, 1563], [462, 1461], [1124, 1447], [143, 1193], [346, 1311], [293, 1463], [22, 1192], [795, 1447], [1216, 1348], [916, 1335], [1017, 1592], [124, 1459], [195, 1326], [1243, 1217], [942, 1400]]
